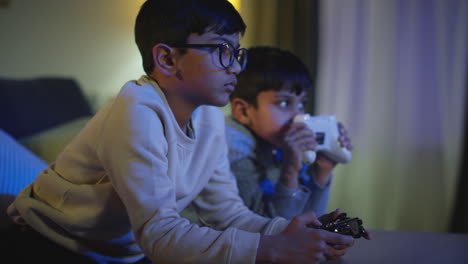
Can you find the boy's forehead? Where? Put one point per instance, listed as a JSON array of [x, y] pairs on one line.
[[290, 93], [285, 92], [288, 88], [212, 37]]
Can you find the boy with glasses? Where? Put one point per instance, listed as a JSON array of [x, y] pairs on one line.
[[115, 193]]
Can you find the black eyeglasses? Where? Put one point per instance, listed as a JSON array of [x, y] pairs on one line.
[[227, 53]]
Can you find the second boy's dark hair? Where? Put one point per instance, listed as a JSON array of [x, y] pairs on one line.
[[269, 68], [172, 21]]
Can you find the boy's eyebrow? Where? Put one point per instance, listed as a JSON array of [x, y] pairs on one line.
[[283, 95], [290, 95], [227, 41]]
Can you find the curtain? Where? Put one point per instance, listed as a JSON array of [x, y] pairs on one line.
[[394, 72], [460, 214]]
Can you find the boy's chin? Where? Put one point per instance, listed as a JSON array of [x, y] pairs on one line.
[[273, 142], [219, 103]]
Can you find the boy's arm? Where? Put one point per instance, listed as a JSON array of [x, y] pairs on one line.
[[221, 206], [320, 175], [319, 190], [278, 243], [266, 197], [276, 199], [137, 164], [258, 183]]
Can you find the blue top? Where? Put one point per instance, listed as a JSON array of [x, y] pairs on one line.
[[256, 165]]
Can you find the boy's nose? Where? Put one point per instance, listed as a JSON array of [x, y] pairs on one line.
[[298, 111], [235, 67]]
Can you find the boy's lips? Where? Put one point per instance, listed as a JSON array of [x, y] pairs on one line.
[[231, 86]]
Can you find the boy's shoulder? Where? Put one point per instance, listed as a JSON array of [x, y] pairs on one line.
[[144, 87], [235, 129], [143, 93], [240, 140], [207, 115]]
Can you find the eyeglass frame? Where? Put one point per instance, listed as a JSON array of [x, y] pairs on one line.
[[234, 52]]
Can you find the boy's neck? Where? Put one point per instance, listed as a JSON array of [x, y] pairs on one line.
[[181, 110], [182, 115]]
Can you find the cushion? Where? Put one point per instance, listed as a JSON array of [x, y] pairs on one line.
[[29, 106], [51, 142], [18, 167]]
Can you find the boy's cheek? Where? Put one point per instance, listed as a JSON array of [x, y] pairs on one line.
[[283, 129], [281, 134]]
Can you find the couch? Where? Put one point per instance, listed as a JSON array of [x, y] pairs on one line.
[[38, 117]]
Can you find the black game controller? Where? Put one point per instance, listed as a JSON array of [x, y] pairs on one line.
[[346, 226]]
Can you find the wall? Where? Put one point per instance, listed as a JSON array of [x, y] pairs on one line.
[[91, 41]]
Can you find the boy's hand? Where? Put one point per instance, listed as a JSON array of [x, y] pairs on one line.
[[339, 250], [327, 218], [297, 139], [301, 244], [324, 165], [344, 140]]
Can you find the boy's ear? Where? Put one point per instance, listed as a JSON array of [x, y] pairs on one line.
[[240, 111], [163, 58]]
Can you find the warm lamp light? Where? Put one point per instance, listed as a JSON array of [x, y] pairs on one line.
[[236, 4]]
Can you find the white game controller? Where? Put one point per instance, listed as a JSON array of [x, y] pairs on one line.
[[326, 132]]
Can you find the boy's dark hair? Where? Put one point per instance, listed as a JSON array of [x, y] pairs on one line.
[[269, 68], [172, 21]]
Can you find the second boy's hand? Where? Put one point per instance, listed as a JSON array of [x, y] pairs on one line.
[[299, 243], [298, 138], [323, 165]]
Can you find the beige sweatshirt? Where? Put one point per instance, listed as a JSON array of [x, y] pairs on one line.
[[116, 191]]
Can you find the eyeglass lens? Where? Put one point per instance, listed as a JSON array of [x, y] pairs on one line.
[[228, 54]]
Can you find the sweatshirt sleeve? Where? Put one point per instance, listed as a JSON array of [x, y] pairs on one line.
[[221, 208], [221, 205], [319, 195], [310, 197], [265, 197]]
